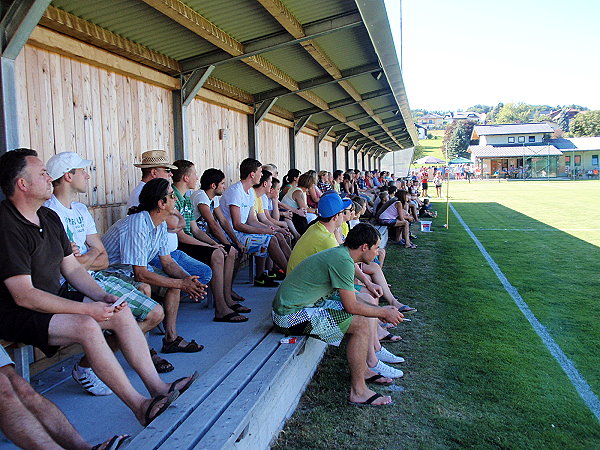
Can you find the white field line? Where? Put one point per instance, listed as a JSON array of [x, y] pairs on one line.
[[582, 387], [536, 229]]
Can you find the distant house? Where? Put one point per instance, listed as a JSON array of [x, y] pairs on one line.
[[431, 121], [579, 155], [422, 131], [515, 150], [464, 115]]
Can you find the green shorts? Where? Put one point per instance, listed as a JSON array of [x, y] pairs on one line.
[[123, 286]]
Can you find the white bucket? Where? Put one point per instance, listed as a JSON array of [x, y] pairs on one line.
[[426, 226]]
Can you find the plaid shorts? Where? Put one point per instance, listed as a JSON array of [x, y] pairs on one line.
[[326, 321], [123, 286]]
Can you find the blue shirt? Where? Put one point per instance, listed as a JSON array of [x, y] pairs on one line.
[[135, 241]]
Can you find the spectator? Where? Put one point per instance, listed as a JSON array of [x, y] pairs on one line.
[[67, 170], [33, 240], [338, 177], [237, 205], [32, 421], [323, 183], [307, 303], [134, 241], [196, 243], [395, 215], [296, 198], [289, 181], [155, 164]]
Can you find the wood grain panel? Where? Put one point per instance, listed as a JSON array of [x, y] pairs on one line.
[[274, 145], [305, 152]]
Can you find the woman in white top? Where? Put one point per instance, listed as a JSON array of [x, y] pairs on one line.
[[397, 216], [296, 198]]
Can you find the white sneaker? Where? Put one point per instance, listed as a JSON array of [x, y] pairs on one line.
[[385, 356], [386, 371], [89, 381]]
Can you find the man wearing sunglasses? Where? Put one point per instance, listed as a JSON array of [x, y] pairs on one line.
[[155, 164]]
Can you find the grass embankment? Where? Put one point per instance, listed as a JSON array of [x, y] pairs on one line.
[[433, 147], [476, 373]]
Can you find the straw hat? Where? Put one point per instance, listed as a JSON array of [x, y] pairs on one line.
[[155, 158]]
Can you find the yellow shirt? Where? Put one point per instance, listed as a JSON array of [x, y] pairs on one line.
[[317, 238], [258, 205], [345, 229]]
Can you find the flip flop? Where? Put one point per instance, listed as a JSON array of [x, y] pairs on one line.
[[228, 318], [114, 443], [390, 338], [171, 397], [411, 246], [374, 379], [240, 308], [369, 401], [237, 297], [185, 387], [405, 309]]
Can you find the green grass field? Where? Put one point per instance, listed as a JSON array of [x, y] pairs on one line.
[[433, 147], [477, 374]]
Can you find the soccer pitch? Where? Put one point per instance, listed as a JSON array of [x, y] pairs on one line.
[[477, 373]]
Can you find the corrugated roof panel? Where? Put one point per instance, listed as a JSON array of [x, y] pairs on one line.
[[309, 11], [331, 93], [293, 103], [366, 83], [357, 49], [140, 23], [296, 62], [242, 19], [244, 77]]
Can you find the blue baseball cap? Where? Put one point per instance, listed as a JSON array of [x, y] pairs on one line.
[[331, 203]]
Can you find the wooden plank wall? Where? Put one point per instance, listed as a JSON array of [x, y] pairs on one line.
[[305, 152], [341, 157], [326, 155], [274, 145], [206, 149], [67, 105], [351, 160]]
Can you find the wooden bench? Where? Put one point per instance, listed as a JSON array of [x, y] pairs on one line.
[[242, 401], [22, 357]]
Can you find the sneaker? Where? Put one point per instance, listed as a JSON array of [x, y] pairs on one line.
[[388, 357], [386, 371], [89, 381], [264, 281], [276, 274]]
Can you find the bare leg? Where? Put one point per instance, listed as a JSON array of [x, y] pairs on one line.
[[66, 329], [19, 424], [217, 263], [228, 273], [277, 255], [171, 307], [377, 276], [356, 353], [285, 248]]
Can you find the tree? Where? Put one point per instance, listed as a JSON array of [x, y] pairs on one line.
[[563, 120], [480, 109], [586, 124], [513, 113], [457, 138]]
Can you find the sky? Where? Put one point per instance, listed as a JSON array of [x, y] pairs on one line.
[[459, 53]]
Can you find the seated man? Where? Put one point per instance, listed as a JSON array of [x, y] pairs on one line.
[[132, 242], [33, 239], [237, 205], [200, 246], [318, 299], [32, 421], [67, 170]]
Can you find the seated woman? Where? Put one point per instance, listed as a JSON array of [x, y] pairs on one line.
[[397, 216], [296, 198]]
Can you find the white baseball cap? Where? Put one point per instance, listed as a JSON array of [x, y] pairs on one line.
[[64, 162]]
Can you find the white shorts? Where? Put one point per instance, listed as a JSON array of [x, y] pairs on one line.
[[257, 244]]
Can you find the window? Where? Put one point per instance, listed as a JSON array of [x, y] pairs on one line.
[[531, 138], [521, 138], [511, 140], [594, 160], [567, 160], [577, 160]]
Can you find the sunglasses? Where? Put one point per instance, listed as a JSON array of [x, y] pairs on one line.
[[165, 169], [171, 195]]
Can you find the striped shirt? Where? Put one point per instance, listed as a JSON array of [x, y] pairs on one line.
[[183, 204], [134, 241]]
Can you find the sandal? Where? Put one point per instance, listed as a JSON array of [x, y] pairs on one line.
[[411, 246], [185, 387], [160, 364], [173, 347], [390, 338], [374, 379], [114, 443], [237, 297], [229, 318], [405, 309], [369, 401], [240, 308], [149, 417]]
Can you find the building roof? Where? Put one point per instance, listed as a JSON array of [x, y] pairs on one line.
[[511, 128], [489, 151], [430, 116], [582, 143]]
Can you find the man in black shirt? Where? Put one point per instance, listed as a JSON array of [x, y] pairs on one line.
[[35, 250]]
